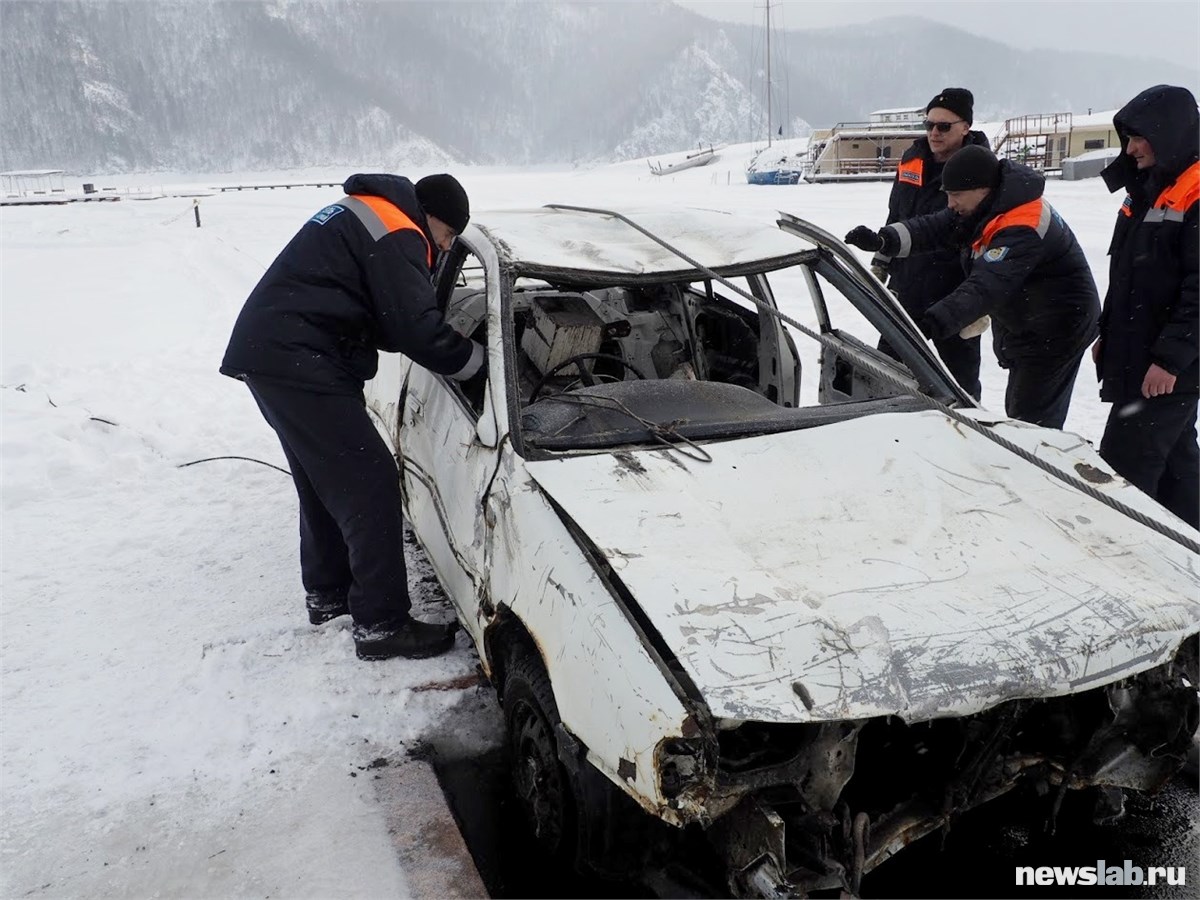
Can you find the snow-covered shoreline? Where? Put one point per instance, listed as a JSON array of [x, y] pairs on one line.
[[172, 726]]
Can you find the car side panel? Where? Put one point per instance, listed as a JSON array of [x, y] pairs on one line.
[[610, 692]]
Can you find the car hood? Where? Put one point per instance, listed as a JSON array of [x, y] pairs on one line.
[[897, 564]]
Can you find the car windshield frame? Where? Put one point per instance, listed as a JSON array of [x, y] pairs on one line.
[[883, 313]]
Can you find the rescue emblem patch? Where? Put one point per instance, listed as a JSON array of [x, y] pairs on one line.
[[995, 254], [327, 213]]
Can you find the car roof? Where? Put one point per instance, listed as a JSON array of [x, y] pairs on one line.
[[562, 240]]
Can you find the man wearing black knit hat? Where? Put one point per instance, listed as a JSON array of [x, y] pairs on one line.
[[445, 204], [1024, 268], [920, 281], [356, 279]]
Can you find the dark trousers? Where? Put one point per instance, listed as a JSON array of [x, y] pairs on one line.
[[351, 531], [1152, 445], [961, 358], [1040, 379]]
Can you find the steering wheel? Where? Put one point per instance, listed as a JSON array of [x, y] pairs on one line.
[[584, 375]]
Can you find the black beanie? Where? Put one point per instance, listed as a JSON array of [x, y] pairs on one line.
[[958, 100], [442, 197], [974, 166]]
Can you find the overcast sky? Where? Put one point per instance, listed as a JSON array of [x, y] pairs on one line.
[[1142, 28]]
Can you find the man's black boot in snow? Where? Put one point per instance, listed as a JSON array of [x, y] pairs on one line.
[[403, 637], [326, 605]]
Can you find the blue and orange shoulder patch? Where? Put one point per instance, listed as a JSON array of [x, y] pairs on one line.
[[327, 213]]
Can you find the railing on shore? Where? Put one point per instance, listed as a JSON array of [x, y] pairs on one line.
[[273, 187]]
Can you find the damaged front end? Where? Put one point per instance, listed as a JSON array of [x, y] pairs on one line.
[[804, 807]]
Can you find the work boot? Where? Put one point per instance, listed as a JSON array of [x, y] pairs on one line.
[[403, 637], [326, 605]]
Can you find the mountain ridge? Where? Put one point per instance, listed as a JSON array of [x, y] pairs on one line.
[[210, 85]]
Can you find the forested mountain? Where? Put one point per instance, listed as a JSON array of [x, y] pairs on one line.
[[215, 86]]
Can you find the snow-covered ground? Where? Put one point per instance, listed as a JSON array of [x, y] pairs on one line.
[[172, 726]]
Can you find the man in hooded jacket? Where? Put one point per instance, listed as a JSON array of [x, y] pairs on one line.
[[1024, 268], [921, 280], [354, 280], [1146, 357]]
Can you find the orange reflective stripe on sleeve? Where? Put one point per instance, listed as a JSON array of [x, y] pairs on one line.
[[394, 219], [911, 172], [1183, 193], [1034, 214]]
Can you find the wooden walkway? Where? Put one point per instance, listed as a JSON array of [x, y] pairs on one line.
[[58, 198], [275, 187]]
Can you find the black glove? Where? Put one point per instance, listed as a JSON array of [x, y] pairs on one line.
[[865, 238], [934, 326]]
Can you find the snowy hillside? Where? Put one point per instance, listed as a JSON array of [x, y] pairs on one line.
[[212, 86]]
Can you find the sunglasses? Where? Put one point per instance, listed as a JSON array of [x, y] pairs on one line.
[[943, 127]]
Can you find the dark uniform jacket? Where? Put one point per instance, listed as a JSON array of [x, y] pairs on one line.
[[921, 280], [1024, 268], [1151, 312], [355, 279]]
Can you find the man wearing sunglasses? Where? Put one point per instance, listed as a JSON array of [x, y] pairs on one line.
[[922, 280], [1024, 269], [1147, 353]]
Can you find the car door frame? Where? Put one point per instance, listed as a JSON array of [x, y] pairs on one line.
[[925, 371], [451, 454]]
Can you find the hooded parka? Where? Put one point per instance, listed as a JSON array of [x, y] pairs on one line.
[[1151, 314], [1152, 311]]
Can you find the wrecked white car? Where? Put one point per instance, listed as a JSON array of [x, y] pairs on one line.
[[745, 583]]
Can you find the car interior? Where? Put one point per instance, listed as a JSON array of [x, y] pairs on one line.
[[602, 365]]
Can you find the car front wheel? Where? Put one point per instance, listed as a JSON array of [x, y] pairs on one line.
[[541, 783]]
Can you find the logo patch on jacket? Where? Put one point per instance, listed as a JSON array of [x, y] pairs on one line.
[[911, 172], [995, 254], [327, 213], [1127, 206]]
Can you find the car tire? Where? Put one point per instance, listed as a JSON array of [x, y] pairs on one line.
[[542, 785]]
